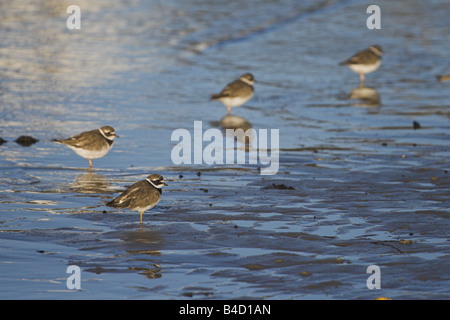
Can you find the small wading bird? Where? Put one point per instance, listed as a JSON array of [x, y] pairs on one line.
[[92, 144], [364, 62], [141, 196], [236, 93]]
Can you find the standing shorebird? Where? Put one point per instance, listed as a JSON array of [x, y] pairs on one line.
[[365, 61], [141, 196], [92, 144], [236, 93]]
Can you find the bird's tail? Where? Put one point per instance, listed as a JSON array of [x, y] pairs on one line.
[[110, 204], [217, 96]]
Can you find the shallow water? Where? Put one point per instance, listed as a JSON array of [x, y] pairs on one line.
[[357, 184]]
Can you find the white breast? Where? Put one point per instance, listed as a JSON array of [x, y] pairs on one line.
[[365, 68], [235, 102], [91, 154]]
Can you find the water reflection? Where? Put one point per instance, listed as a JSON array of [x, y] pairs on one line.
[[144, 246], [90, 183], [245, 138], [234, 122], [150, 273], [368, 96]]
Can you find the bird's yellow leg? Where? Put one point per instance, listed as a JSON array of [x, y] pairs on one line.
[[141, 216], [362, 77], [90, 163]]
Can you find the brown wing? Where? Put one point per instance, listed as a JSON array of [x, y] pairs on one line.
[[125, 198], [140, 194], [86, 140], [362, 57], [233, 89]]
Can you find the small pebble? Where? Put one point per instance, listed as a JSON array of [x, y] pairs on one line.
[[416, 125], [279, 186], [443, 77], [26, 141]]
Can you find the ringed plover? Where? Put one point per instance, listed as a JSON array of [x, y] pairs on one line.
[[365, 61], [141, 196], [92, 144], [236, 93]]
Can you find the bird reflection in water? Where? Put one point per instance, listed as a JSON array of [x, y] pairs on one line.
[[235, 123], [144, 246], [369, 97], [91, 183]]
